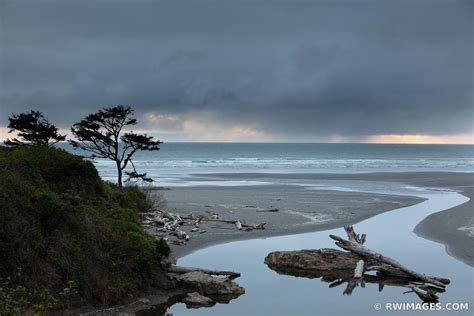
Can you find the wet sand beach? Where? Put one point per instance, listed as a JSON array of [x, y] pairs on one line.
[[306, 202]]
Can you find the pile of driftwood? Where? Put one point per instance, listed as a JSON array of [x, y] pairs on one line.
[[171, 224], [425, 286], [354, 266]]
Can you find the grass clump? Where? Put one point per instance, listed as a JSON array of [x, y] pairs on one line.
[[67, 235]]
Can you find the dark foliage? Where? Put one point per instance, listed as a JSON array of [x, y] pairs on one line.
[[32, 128], [102, 134], [61, 224]]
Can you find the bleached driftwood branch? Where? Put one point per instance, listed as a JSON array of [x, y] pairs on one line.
[[365, 252], [360, 239], [387, 266], [359, 269]]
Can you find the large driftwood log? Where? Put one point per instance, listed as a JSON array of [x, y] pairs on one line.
[[340, 267], [365, 252], [312, 261], [181, 270], [238, 224], [337, 267]]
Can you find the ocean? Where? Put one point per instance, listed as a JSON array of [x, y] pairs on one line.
[[176, 162]]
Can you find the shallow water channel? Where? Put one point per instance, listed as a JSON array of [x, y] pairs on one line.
[[390, 233]]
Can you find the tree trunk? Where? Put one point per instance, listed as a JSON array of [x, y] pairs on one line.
[[119, 175]]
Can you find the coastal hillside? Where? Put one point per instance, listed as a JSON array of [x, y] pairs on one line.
[[67, 237]]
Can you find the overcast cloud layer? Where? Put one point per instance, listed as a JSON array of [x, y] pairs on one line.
[[245, 70]]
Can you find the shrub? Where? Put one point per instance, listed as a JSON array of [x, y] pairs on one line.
[[13, 299], [162, 247], [61, 222]]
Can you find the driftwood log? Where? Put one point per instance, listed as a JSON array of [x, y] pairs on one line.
[[238, 224], [389, 266], [357, 248], [270, 210], [182, 270], [339, 267]]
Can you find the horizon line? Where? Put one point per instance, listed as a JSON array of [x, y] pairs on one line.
[[298, 143]]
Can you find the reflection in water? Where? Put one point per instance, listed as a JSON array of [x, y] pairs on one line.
[[162, 309], [336, 278]]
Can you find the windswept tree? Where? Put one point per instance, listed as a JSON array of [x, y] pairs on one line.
[[103, 135], [32, 128]]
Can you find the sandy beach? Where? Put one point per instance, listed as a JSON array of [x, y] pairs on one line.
[[304, 210], [453, 228]]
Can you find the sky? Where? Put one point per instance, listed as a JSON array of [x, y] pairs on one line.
[[246, 71]]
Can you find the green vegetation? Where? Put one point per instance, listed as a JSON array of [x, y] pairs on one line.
[[32, 128], [67, 236]]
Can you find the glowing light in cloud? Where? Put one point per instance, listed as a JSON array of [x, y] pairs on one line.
[[204, 131], [202, 127], [422, 139], [154, 117], [407, 139], [4, 133]]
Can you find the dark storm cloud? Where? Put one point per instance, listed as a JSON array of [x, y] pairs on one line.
[[297, 69]]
